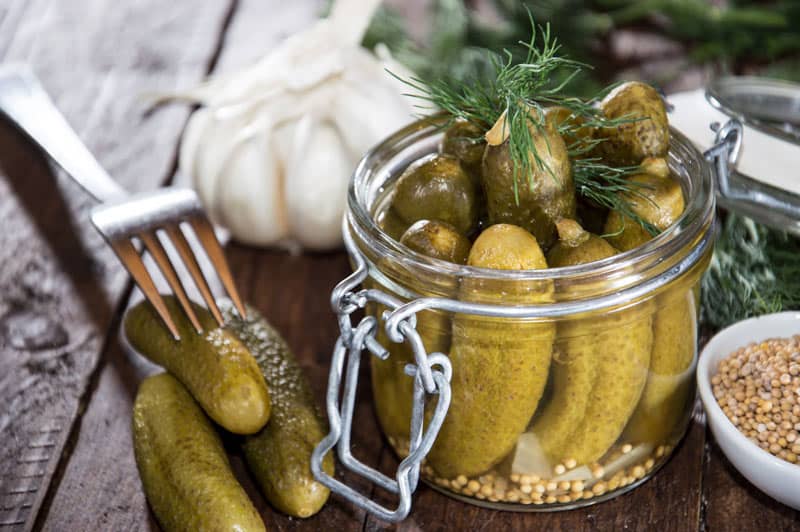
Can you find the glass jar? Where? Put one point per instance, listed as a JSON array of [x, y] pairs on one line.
[[579, 383]]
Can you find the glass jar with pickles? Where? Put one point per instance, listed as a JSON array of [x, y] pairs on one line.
[[544, 253], [581, 399]]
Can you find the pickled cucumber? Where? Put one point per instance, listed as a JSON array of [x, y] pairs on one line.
[[659, 201], [392, 388], [215, 367], [538, 200], [646, 131], [620, 343], [185, 473], [438, 189], [499, 366], [464, 141], [439, 240], [575, 360], [669, 383], [280, 454], [674, 323], [571, 127]]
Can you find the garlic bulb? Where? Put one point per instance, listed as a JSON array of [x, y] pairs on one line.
[[272, 148]]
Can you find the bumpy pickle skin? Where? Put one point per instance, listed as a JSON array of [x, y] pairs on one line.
[[392, 388], [674, 322], [667, 392], [658, 201], [620, 343], [438, 240], [464, 141], [500, 367], [185, 472], [216, 368], [545, 196], [571, 127], [438, 189], [279, 456], [575, 360], [645, 133]]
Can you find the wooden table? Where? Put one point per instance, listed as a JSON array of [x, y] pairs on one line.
[[66, 462]]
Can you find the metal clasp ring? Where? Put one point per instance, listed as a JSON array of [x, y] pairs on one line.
[[431, 374]]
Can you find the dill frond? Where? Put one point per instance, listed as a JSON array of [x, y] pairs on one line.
[[523, 90]]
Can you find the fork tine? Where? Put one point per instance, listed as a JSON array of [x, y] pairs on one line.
[[179, 241], [205, 233], [153, 245], [133, 263]]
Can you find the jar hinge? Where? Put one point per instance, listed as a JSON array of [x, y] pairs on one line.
[[431, 374], [724, 154]]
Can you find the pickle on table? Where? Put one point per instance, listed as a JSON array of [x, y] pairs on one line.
[[644, 129], [185, 472], [500, 366], [279, 456], [438, 189], [392, 388], [536, 201], [464, 141], [214, 365]]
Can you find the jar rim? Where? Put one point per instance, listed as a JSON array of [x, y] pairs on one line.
[[696, 217]]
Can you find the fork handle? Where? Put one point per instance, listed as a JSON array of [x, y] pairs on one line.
[[26, 104]]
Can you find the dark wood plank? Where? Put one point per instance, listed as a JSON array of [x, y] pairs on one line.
[[59, 284], [733, 503]]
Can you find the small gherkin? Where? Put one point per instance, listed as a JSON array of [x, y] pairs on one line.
[[644, 131], [185, 472], [600, 366], [215, 367], [500, 366], [279, 456], [392, 388], [536, 201]]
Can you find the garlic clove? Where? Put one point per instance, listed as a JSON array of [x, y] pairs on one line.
[[249, 188], [316, 180]]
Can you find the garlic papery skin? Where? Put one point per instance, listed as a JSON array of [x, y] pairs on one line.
[[272, 148]]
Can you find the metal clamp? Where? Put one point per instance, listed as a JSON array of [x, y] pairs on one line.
[[724, 155], [431, 374]]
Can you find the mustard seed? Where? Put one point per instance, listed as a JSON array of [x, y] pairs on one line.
[[758, 389]]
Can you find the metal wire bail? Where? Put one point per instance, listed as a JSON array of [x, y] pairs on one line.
[[431, 374]]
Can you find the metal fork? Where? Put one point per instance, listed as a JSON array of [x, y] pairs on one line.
[[121, 217]]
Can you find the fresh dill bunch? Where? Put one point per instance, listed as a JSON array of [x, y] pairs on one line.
[[754, 271], [521, 92]]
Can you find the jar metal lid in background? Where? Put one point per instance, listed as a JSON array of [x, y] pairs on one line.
[[765, 182]]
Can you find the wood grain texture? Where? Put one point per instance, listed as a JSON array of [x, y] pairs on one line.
[[59, 282], [732, 503]]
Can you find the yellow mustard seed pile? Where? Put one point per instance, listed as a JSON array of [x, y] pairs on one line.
[[758, 388]]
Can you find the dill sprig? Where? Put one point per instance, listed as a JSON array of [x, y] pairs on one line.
[[523, 90], [754, 271]]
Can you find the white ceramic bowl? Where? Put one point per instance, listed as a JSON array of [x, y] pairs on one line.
[[777, 478]]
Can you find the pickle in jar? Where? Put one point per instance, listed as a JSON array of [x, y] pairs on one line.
[[499, 367], [535, 201], [599, 369], [392, 388]]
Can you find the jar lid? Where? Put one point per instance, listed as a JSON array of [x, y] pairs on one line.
[[763, 183]]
